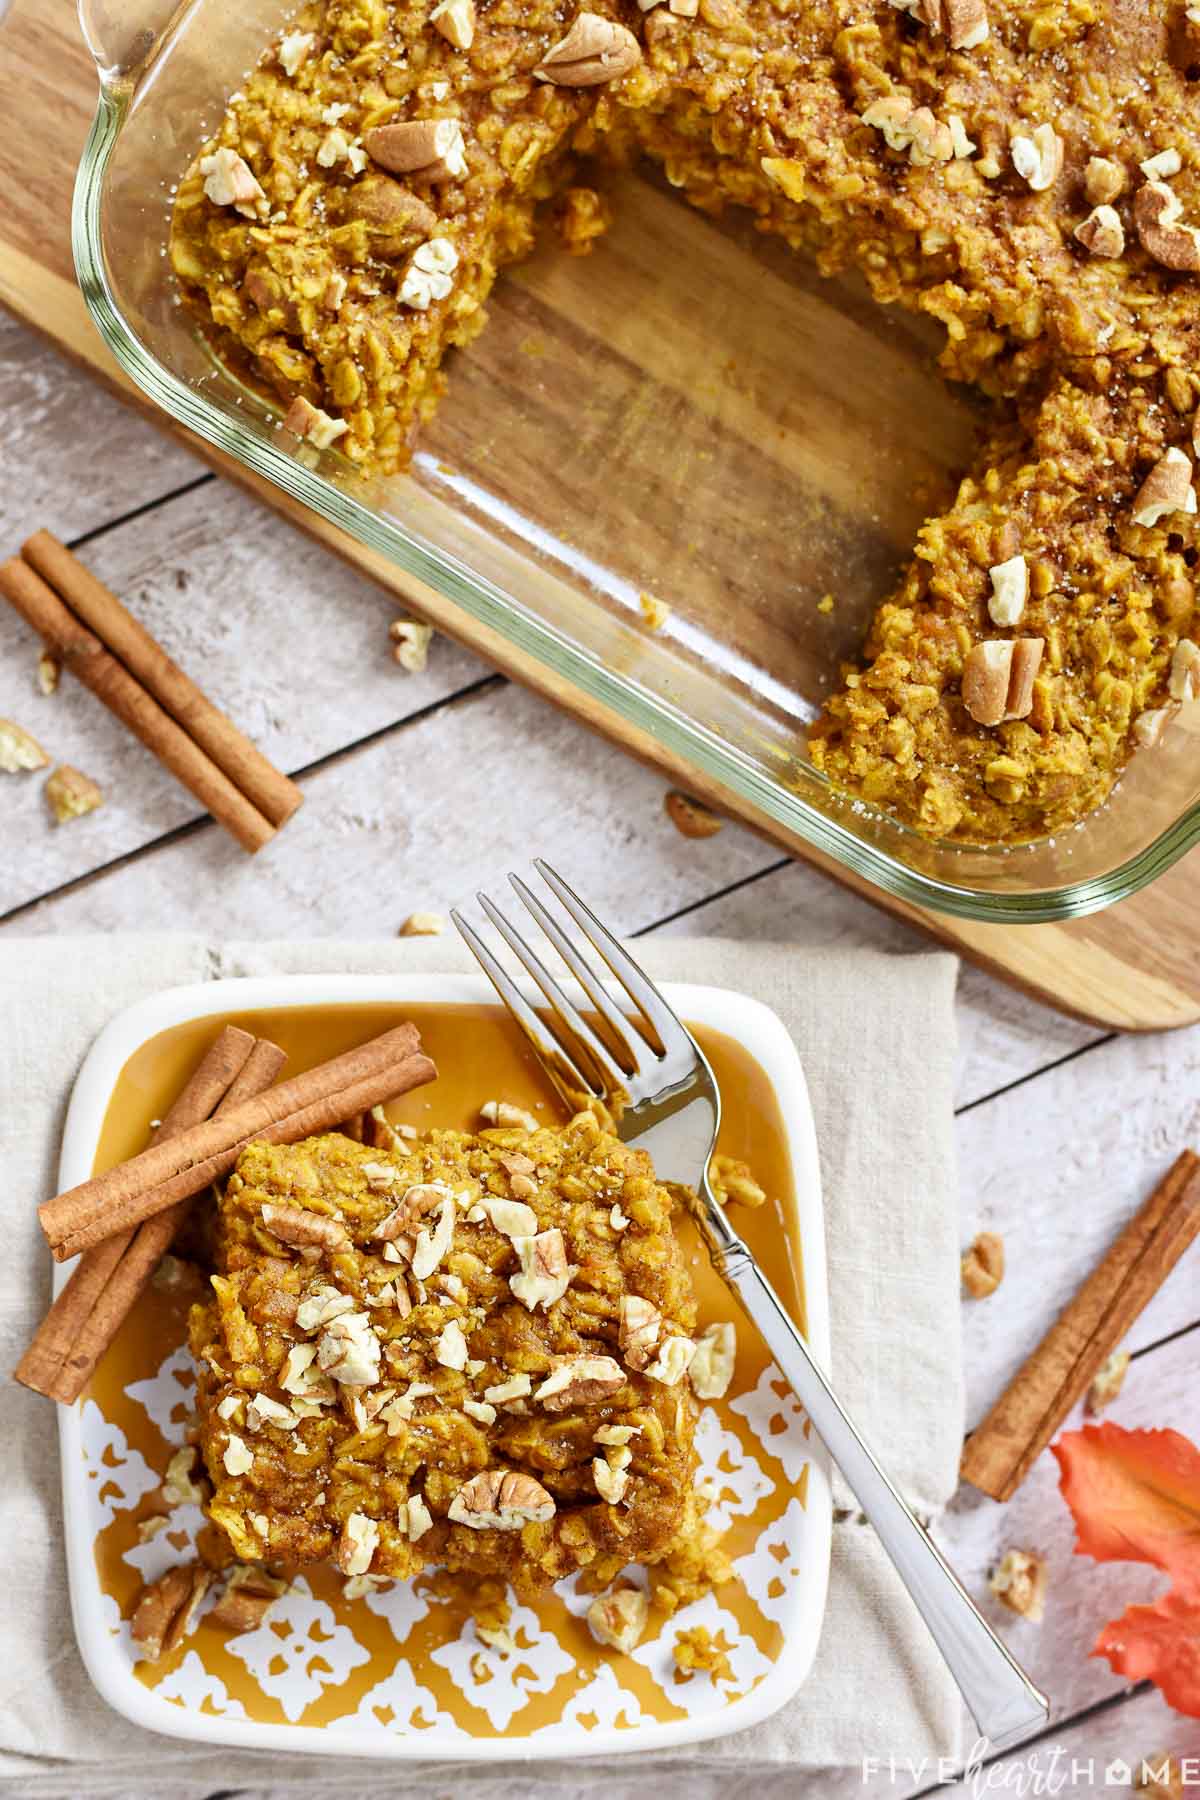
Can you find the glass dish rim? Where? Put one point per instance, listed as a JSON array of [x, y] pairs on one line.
[[486, 603]]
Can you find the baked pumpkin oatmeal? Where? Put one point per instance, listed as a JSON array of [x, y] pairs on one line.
[[468, 1351], [1028, 174]]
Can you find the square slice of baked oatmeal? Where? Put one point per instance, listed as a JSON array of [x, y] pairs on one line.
[[469, 1351]]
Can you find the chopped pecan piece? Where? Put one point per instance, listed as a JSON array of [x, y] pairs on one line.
[[1102, 233], [410, 642], [295, 48], [1103, 181], [1010, 591], [432, 1246], [1038, 157], [672, 1362], [504, 1116], [1184, 681], [998, 677], [1162, 166], [501, 1500], [229, 181], [1161, 1777], [639, 1325], [733, 1183], [690, 818], [545, 1273], [983, 1265], [18, 750], [1167, 489], [249, 1594], [357, 1544], [305, 1230], [166, 1610], [1108, 1382], [179, 1487], [423, 924], [594, 50], [1158, 216], [70, 794], [455, 20], [348, 1351], [432, 148], [618, 1619], [610, 1474], [414, 1203], [1019, 1582], [711, 1368], [966, 23], [308, 421], [580, 1381]]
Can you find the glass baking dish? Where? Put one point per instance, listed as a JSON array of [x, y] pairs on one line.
[[690, 415]]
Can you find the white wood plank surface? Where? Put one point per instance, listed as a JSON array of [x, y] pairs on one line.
[[73, 457], [279, 633], [425, 787]]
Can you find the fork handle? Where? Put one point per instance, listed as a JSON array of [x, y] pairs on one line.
[[1003, 1701]]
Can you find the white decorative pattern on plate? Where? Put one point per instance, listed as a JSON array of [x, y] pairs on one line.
[[603, 1702], [775, 1564], [400, 1706], [169, 1395], [401, 1605], [778, 1421], [699, 1691], [175, 1543], [728, 1472], [502, 1682], [193, 1687], [117, 1475], [299, 1650]]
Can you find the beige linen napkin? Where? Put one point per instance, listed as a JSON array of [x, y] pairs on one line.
[[876, 1034]]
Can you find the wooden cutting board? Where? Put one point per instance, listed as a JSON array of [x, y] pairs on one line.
[[1133, 967]]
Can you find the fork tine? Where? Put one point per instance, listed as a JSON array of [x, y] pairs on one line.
[[638, 986], [621, 1027], [606, 1077], [571, 1083]]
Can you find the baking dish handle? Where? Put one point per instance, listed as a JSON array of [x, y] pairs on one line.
[[124, 35]]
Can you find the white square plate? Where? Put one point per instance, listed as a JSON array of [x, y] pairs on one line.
[[754, 1452]]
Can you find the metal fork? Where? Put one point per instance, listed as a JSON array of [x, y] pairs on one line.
[[671, 1107]]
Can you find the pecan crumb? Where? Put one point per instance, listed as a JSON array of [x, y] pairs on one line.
[[70, 794], [690, 818], [18, 750], [983, 1265], [1108, 1382], [1019, 1582], [166, 1610], [732, 1183], [618, 1619], [423, 924], [410, 644], [1160, 1778]]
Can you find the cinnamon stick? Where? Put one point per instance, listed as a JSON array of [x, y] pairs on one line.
[[166, 1172], [999, 1454], [275, 796], [149, 1243], [79, 650], [57, 1337]]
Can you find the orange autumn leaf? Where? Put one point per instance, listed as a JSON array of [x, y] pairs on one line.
[[1159, 1643], [1135, 1497]]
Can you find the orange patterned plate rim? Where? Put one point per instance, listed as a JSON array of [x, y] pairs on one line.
[[772, 1479]]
